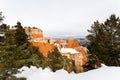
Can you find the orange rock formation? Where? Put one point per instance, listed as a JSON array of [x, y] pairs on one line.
[[79, 58], [38, 40], [44, 48], [72, 43], [33, 33]]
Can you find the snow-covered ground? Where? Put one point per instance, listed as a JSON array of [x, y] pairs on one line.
[[103, 73]]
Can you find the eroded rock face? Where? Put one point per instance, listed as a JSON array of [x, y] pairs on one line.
[[46, 45], [33, 33], [44, 48], [79, 58], [37, 39], [71, 43]]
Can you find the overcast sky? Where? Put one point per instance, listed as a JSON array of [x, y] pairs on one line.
[[59, 17]]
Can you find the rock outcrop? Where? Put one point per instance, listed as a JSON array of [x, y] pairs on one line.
[[37, 39], [44, 48], [76, 53], [79, 55]]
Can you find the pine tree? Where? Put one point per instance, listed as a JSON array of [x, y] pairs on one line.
[[104, 40], [20, 35], [16, 54], [4, 28], [55, 60], [1, 17]]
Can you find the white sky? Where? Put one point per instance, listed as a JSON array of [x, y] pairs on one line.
[[59, 17]]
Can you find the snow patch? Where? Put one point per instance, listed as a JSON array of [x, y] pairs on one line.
[[103, 73], [68, 50]]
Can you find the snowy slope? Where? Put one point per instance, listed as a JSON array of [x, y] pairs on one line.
[[103, 73]]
